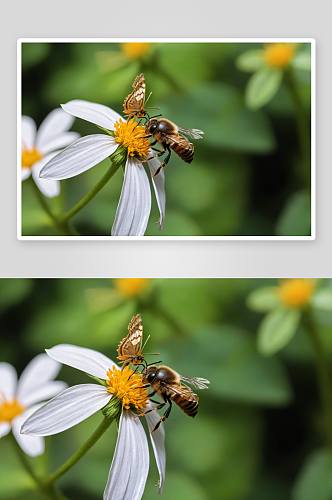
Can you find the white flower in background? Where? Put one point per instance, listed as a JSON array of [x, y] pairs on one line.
[[130, 465], [17, 399], [134, 207], [39, 147]]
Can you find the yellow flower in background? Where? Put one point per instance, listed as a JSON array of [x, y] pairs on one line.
[[278, 55], [295, 292], [129, 53], [135, 50], [123, 291], [130, 287], [285, 305], [268, 67]]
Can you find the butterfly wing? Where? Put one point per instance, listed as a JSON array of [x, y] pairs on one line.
[[134, 103], [131, 346]]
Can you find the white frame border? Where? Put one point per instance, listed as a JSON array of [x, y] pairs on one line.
[[312, 41]]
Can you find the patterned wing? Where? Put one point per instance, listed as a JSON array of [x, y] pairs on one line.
[[194, 133], [197, 382], [134, 103], [131, 346]]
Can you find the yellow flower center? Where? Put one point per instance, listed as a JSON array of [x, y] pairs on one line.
[[30, 157], [9, 409], [126, 385], [278, 55], [134, 49], [131, 286], [130, 135], [296, 292]]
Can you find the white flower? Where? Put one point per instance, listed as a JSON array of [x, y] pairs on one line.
[[17, 399], [134, 207], [39, 147], [130, 465]]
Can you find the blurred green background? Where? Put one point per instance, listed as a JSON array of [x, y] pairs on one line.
[[258, 434], [246, 175]]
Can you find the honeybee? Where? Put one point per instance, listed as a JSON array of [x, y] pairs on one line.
[[167, 135], [134, 104], [130, 348], [167, 384]]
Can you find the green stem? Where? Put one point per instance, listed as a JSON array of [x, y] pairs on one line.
[[91, 194], [63, 226], [302, 127], [323, 374], [80, 453], [49, 489]]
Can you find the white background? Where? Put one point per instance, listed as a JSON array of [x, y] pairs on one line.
[[174, 18]]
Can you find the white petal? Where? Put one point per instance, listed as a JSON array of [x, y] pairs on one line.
[[87, 360], [8, 381], [92, 112], [66, 410], [40, 370], [45, 391], [47, 187], [25, 173], [59, 141], [159, 188], [29, 131], [158, 444], [55, 123], [134, 206], [130, 464], [31, 445], [79, 157], [4, 429]]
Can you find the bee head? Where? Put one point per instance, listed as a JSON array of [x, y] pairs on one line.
[[150, 374]]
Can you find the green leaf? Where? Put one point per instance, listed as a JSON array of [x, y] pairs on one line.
[[302, 61], [250, 61], [262, 86], [322, 299], [277, 329], [230, 361], [263, 299], [315, 479], [295, 219]]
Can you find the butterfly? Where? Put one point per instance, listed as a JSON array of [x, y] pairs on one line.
[[134, 104], [131, 346]]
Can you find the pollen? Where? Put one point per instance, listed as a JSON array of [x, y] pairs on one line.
[[30, 157], [9, 409], [278, 55], [127, 386], [296, 292], [130, 287], [132, 137], [134, 50]]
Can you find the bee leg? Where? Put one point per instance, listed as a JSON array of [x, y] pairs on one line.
[[144, 386], [160, 153], [166, 415], [165, 161], [158, 407]]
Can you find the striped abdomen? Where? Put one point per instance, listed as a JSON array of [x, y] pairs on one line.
[[183, 148], [188, 403]]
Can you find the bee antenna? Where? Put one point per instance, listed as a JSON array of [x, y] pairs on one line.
[[155, 363], [156, 115]]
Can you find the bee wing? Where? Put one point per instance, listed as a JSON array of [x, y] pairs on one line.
[[194, 133], [197, 382]]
